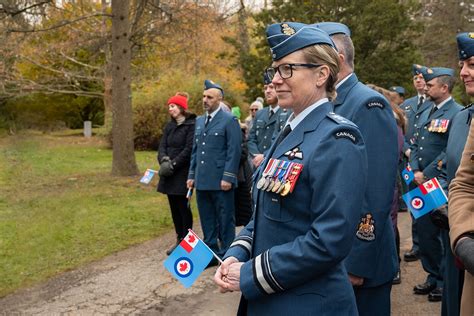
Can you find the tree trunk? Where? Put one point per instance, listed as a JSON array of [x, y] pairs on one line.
[[108, 72], [123, 161]]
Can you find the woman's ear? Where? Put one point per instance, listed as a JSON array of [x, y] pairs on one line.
[[323, 75]]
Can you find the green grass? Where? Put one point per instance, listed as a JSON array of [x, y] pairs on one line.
[[60, 207]]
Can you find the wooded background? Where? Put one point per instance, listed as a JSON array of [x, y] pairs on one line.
[[117, 62]]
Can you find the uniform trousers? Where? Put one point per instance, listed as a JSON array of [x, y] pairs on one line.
[[217, 215], [373, 300], [431, 250], [181, 214]]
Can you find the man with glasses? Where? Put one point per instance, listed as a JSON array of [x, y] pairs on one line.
[[267, 124], [372, 262]]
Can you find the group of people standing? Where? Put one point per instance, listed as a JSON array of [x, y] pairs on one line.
[[325, 154]]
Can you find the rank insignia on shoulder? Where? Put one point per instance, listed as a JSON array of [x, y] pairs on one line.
[[366, 229], [338, 119], [375, 104], [346, 134], [294, 153]]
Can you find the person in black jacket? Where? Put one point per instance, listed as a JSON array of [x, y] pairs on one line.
[[174, 156]]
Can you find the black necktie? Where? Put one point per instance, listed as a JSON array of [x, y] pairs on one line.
[[433, 109], [420, 101], [207, 120], [271, 114], [283, 134]]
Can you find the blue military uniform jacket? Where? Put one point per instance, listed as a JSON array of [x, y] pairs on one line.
[[294, 246], [455, 146], [413, 113], [264, 129], [429, 150], [374, 257], [216, 152]]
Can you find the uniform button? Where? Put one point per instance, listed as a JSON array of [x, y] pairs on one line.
[[425, 127], [422, 137], [206, 134], [203, 143], [416, 125], [265, 137], [216, 134], [202, 153], [264, 147], [421, 148], [417, 116], [420, 159], [202, 161]]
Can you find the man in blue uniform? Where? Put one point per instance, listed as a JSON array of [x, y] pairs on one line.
[[289, 259], [213, 172], [372, 262], [268, 123], [426, 161], [413, 108]]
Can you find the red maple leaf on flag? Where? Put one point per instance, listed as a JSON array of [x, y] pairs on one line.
[[183, 266], [191, 238], [429, 185]]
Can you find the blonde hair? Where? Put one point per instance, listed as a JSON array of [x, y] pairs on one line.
[[326, 55]]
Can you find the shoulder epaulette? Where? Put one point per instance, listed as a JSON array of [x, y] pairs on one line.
[[339, 119]]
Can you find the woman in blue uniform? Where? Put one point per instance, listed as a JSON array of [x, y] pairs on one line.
[[288, 259]]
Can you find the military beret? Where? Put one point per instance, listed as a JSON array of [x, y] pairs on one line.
[[434, 72], [418, 69], [266, 78], [288, 37], [209, 84], [398, 89], [465, 45], [333, 28]]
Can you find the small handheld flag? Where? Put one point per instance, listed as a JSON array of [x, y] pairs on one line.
[[425, 198], [408, 174], [148, 176], [189, 259]]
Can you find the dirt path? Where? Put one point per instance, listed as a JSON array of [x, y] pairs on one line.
[[134, 281]]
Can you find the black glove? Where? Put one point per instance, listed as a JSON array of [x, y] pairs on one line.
[[165, 158], [439, 217], [465, 252], [166, 169]]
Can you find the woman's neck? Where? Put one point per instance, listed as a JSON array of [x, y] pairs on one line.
[[180, 119]]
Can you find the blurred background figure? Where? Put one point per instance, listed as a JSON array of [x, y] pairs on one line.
[[174, 156], [400, 94], [255, 106]]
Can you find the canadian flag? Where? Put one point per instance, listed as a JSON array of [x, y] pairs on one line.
[[189, 242], [429, 186]]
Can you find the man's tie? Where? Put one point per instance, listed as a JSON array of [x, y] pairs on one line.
[[270, 114], [420, 101], [207, 120], [433, 109]]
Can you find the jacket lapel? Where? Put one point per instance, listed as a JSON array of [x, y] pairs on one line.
[[344, 89]]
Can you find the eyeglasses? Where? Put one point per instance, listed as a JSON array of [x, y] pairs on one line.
[[254, 110], [286, 70]]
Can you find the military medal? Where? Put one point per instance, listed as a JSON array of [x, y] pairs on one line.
[[262, 183], [281, 168], [286, 189]]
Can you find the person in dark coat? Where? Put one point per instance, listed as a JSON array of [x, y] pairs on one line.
[[174, 156]]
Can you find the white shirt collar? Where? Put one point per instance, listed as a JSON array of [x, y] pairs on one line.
[[343, 80], [213, 113], [274, 110], [438, 106], [295, 120]]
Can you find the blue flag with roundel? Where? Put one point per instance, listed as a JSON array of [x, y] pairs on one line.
[[425, 198], [408, 175], [148, 176], [189, 259]]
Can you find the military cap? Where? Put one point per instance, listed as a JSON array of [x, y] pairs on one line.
[[288, 37], [398, 89], [465, 45], [333, 28], [434, 72], [209, 84], [266, 78], [418, 69]]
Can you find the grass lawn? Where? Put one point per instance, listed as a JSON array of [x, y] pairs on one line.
[[60, 207]]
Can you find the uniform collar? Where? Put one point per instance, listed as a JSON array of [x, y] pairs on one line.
[[213, 114], [439, 106], [343, 80], [295, 120]]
